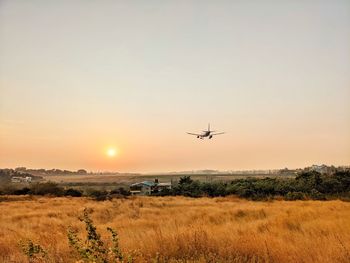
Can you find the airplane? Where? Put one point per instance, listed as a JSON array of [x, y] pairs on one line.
[[204, 134]]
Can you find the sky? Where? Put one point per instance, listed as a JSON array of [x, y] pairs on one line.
[[79, 78]]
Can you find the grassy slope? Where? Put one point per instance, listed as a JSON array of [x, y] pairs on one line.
[[224, 229]]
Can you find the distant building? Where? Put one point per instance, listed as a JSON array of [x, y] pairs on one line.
[[149, 187], [18, 179]]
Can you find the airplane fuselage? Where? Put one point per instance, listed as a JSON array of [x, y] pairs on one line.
[[207, 133]]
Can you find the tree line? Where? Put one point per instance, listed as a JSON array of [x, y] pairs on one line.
[[306, 185]]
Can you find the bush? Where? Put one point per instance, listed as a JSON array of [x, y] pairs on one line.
[[306, 184], [49, 188], [163, 192], [93, 248], [291, 196], [120, 191], [23, 191], [316, 195], [34, 252], [72, 192], [213, 189], [98, 195]]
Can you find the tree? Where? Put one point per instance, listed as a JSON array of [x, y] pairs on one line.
[[185, 180], [81, 171]]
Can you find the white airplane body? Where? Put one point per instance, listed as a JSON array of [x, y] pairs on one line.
[[208, 133]]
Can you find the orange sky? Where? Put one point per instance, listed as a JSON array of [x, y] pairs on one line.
[[79, 78]]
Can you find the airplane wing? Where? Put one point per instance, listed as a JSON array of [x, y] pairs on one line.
[[194, 134], [217, 133]]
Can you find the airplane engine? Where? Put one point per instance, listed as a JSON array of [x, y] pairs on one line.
[[211, 136], [198, 137]]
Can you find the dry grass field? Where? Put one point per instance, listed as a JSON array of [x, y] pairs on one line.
[[179, 229]]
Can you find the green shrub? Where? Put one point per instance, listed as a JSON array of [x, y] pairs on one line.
[[98, 195], [306, 184], [72, 192], [120, 191], [34, 252], [316, 195], [49, 188], [23, 191], [93, 248], [295, 196]]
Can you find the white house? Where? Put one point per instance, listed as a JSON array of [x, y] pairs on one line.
[[18, 179]]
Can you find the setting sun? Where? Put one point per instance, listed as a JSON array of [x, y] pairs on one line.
[[111, 152]]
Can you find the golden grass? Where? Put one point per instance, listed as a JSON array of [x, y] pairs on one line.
[[178, 229]]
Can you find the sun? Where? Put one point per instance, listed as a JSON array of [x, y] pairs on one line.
[[111, 152]]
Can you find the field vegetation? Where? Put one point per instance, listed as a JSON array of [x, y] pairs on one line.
[[306, 185], [178, 229]]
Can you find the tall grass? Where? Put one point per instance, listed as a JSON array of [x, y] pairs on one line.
[[178, 229]]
